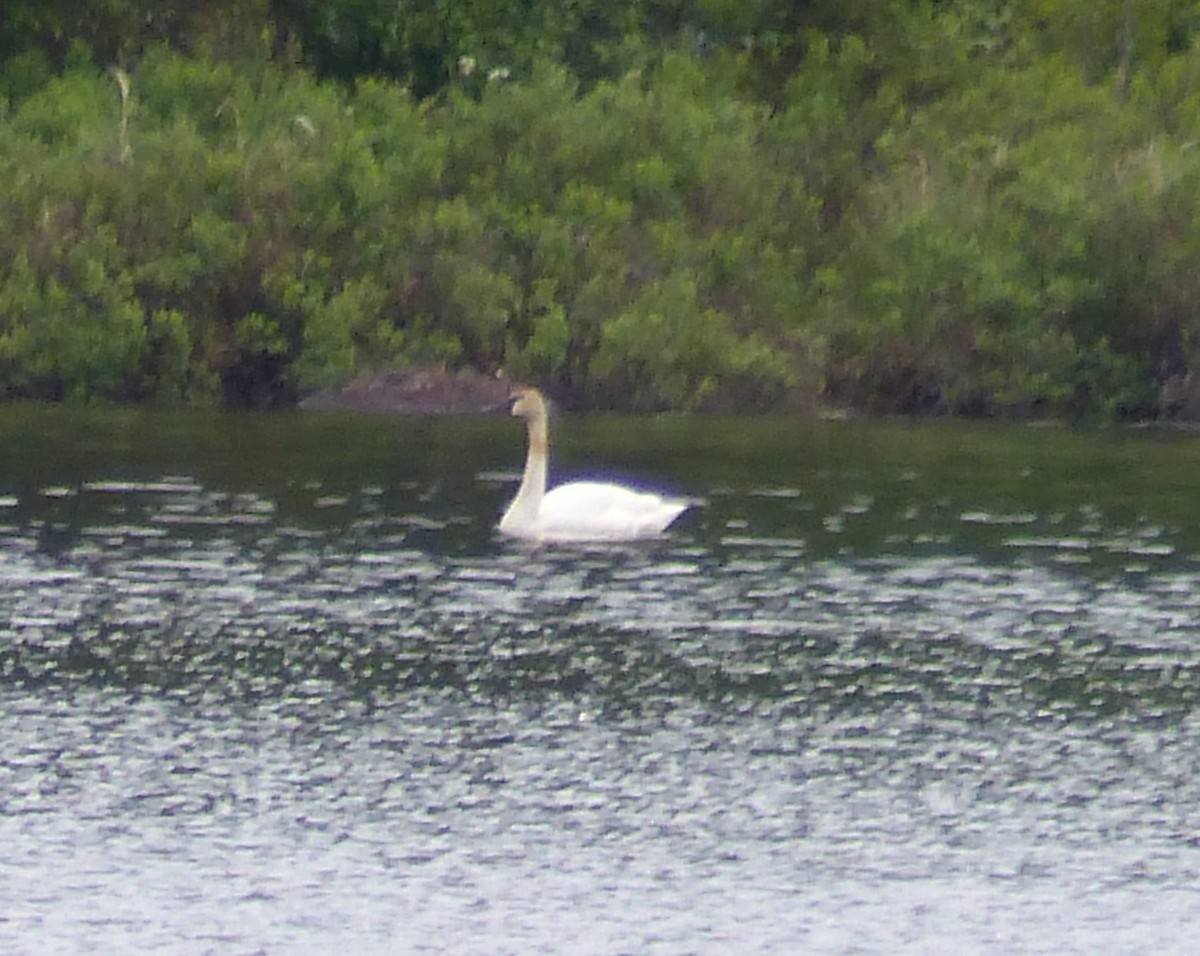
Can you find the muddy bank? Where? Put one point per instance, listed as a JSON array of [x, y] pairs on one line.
[[418, 391]]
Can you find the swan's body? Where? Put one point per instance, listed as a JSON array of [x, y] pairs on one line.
[[580, 510]]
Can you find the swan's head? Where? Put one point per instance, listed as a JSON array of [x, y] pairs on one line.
[[528, 403]]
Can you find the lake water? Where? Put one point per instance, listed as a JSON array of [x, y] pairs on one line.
[[273, 685]]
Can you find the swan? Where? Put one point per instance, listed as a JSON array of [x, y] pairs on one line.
[[579, 510]]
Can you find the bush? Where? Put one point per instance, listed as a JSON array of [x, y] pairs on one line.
[[973, 208]]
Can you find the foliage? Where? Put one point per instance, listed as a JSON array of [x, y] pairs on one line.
[[985, 207]]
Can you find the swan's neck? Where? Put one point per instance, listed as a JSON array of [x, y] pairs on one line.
[[525, 505]]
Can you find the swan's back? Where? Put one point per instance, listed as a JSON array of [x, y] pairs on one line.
[[596, 511]]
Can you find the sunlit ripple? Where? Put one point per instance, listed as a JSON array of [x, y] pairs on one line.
[[224, 713]]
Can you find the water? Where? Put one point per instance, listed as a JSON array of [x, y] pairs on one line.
[[271, 684]]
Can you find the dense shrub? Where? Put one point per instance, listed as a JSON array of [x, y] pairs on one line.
[[971, 208]]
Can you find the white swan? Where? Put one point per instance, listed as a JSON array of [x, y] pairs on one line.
[[580, 510]]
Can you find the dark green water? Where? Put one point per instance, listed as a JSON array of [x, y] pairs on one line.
[[273, 684]]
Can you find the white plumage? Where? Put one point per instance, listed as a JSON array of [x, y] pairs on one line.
[[579, 510]]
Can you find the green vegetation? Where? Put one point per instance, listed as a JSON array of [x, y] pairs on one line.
[[984, 207]]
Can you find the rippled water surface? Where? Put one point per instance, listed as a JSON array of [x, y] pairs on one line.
[[272, 685]]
